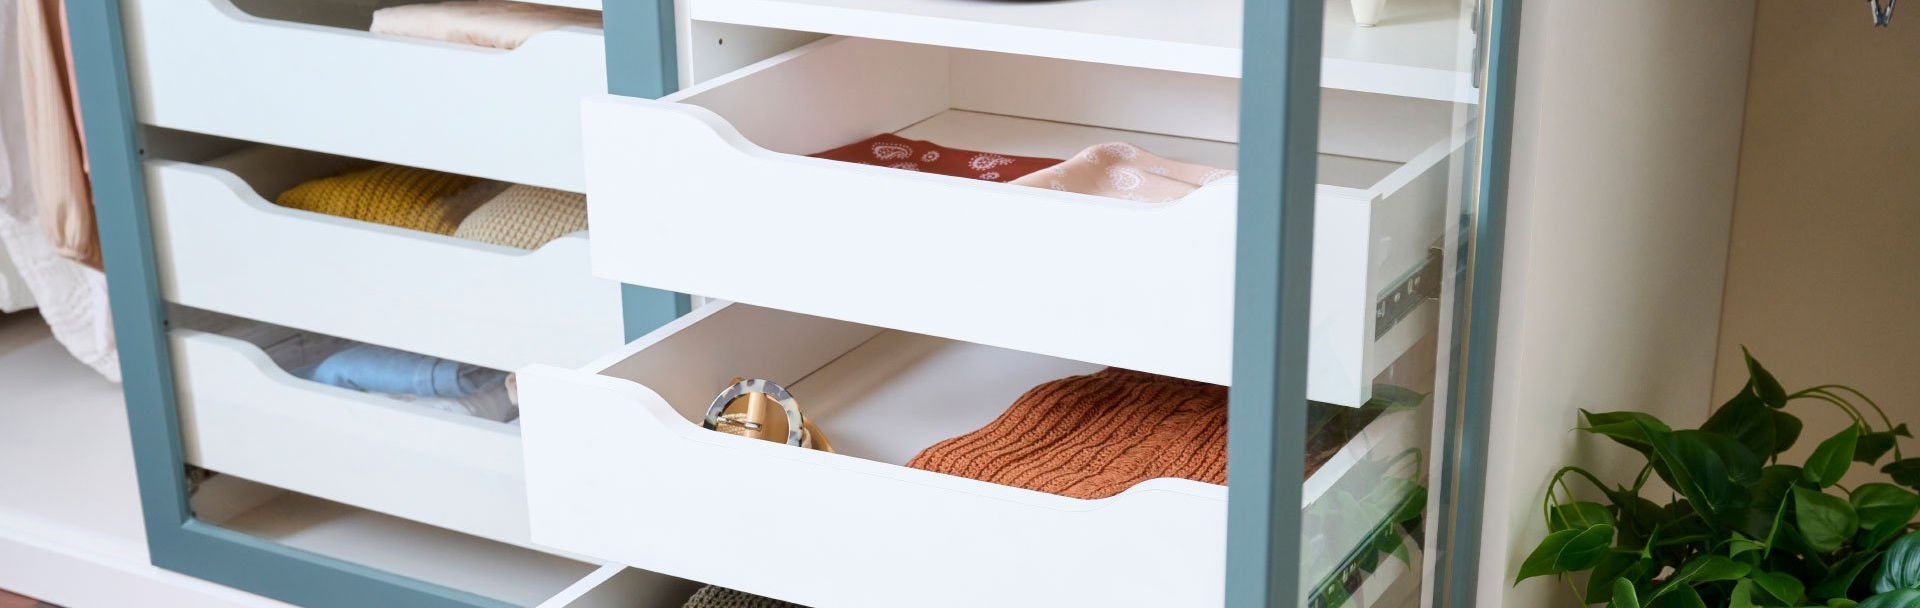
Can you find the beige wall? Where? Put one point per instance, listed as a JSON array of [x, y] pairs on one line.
[[1625, 158], [1824, 278]]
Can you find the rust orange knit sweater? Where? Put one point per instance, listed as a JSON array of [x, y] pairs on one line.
[[1094, 436]]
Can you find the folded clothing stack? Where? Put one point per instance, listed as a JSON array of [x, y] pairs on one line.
[[406, 197], [1094, 436], [490, 23], [487, 211], [1115, 170], [721, 597], [428, 382], [525, 217], [1124, 171], [896, 152]]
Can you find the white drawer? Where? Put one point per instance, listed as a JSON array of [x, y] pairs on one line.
[[225, 248], [209, 67], [242, 415], [618, 469], [708, 192]]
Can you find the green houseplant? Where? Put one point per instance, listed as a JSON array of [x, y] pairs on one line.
[[1740, 527]]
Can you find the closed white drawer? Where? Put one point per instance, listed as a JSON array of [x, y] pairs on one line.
[[209, 67], [618, 469], [242, 415], [708, 192], [224, 247]]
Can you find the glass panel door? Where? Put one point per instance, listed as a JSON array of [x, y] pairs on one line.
[[1353, 348]]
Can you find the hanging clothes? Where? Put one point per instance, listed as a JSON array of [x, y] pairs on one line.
[[70, 295], [57, 159]]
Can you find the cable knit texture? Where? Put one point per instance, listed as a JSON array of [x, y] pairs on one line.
[[721, 597], [526, 217], [386, 194], [1094, 436]]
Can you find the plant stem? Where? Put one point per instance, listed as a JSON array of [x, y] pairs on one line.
[[1840, 403], [1827, 389]]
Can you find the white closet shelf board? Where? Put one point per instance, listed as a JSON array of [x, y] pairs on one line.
[[1416, 51], [70, 523], [208, 67], [511, 574], [242, 415], [605, 441], [229, 250], [942, 255]]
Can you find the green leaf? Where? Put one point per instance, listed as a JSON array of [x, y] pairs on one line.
[[1905, 471], [1684, 597], [1784, 589], [1626, 428], [1742, 594], [1638, 516], [1567, 551], [1786, 430], [1841, 576], [1900, 568], [1830, 460], [1622, 565], [1693, 468], [1899, 598], [1841, 602], [1624, 595], [1826, 521], [1703, 569], [1763, 383], [1743, 464], [1741, 544], [1880, 502], [1876, 444], [1878, 535], [1578, 515], [1744, 419]]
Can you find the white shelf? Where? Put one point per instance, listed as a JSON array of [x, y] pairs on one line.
[[1416, 51], [513, 575], [517, 576]]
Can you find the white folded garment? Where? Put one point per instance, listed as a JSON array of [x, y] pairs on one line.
[[491, 23]]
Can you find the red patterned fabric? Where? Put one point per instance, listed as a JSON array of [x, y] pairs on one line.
[[889, 150]]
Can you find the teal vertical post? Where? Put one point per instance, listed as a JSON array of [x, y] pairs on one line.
[[642, 61], [175, 540], [1279, 151], [1463, 472]]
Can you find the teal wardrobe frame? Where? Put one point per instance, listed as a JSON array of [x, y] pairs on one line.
[[1279, 130]]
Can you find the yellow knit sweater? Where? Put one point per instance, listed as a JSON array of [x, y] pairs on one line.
[[385, 194]]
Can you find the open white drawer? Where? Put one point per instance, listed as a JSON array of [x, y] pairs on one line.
[[223, 247], [242, 415], [210, 67], [618, 469], [708, 191]]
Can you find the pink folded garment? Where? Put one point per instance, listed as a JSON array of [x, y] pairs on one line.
[[1122, 170], [490, 23]]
